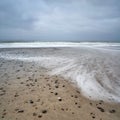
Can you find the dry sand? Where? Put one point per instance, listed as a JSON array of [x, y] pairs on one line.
[[27, 92]]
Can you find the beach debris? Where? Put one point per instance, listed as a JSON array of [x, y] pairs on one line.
[[20, 111], [90, 103], [56, 86], [59, 98], [1, 88], [39, 116], [112, 111], [79, 106], [22, 83], [35, 80], [18, 77], [38, 100], [56, 93], [56, 81], [76, 96], [101, 109], [34, 114], [31, 101], [16, 95], [44, 111]]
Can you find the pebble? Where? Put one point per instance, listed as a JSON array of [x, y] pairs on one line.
[[101, 109], [20, 111], [44, 111], [59, 98], [112, 111]]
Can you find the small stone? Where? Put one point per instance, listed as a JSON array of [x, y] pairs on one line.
[[56, 86], [56, 93], [101, 109], [31, 102], [22, 83], [20, 111], [59, 98], [56, 81], [112, 111], [90, 103], [16, 95], [35, 80], [34, 114], [79, 106], [73, 113], [1, 88], [76, 96], [44, 111], [38, 100], [39, 116]]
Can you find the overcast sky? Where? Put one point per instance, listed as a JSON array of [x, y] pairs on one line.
[[59, 20]]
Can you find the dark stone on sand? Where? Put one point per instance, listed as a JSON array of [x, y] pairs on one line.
[[56, 93], [38, 100], [93, 117], [18, 77], [76, 96], [35, 80], [101, 109], [73, 113], [78, 91], [44, 111], [90, 103], [4, 113], [20, 111], [63, 86], [112, 111], [34, 114], [79, 106], [4, 110], [2, 94], [56, 81], [16, 95], [59, 98], [71, 95], [39, 116], [1, 88], [31, 101], [56, 86]]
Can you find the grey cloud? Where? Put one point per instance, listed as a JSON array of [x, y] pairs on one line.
[[63, 19]]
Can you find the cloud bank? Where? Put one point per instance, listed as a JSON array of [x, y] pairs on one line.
[[65, 20]]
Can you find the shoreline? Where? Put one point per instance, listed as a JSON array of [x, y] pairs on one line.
[[28, 92]]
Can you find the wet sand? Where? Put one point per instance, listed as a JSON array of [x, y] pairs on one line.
[[27, 92]]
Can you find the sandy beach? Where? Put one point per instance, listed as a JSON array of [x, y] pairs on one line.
[[29, 92]]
